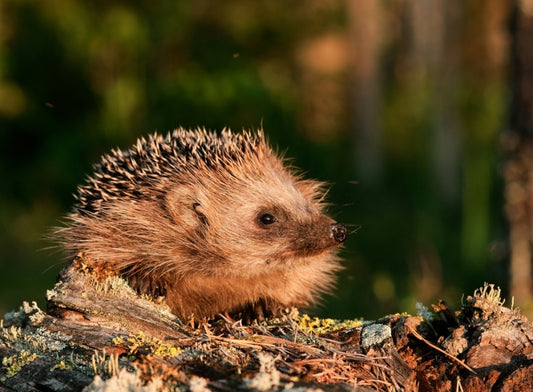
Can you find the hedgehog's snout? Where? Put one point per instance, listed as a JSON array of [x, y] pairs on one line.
[[339, 232]]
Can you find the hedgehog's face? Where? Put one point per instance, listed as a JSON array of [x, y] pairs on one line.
[[267, 222], [253, 222], [289, 235]]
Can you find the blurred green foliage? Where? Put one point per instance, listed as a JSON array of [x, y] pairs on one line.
[[78, 78]]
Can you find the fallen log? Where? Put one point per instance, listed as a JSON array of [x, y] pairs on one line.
[[98, 334]]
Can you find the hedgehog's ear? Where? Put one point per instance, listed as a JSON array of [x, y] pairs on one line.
[[185, 207]]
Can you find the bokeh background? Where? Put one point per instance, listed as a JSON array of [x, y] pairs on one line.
[[400, 105]]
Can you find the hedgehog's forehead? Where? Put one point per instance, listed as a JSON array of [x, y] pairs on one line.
[[259, 184]]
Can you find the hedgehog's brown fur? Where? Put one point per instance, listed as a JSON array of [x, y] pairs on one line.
[[180, 216]]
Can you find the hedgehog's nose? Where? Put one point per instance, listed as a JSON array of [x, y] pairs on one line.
[[339, 232]]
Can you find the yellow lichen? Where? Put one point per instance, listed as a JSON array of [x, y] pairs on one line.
[[115, 285], [105, 364], [61, 365], [491, 293], [15, 363], [11, 333], [154, 345], [319, 326]]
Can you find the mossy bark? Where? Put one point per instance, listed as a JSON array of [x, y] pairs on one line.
[[98, 334]]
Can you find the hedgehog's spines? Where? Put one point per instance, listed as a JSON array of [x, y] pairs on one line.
[[157, 158]]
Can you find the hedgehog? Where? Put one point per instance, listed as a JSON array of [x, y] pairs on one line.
[[215, 223]]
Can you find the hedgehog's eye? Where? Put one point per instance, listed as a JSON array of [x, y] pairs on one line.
[[266, 219]]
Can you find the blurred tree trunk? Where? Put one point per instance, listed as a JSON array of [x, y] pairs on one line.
[[434, 34], [518, 173], [365, 38], [484, 54]]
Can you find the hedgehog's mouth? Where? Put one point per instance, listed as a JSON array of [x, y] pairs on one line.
[[301, 253]]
